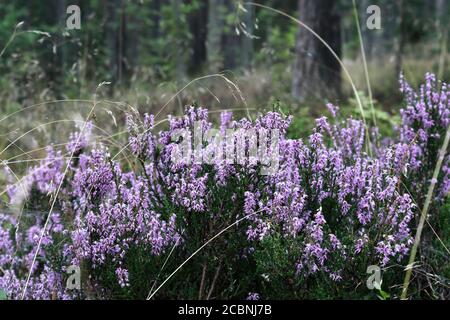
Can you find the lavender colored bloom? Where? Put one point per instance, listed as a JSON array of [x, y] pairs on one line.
[[330, 202], [253, 296]]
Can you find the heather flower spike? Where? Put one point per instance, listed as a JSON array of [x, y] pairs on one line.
[[331, 204]]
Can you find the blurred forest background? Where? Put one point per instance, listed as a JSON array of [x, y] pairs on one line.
[[148, 50]]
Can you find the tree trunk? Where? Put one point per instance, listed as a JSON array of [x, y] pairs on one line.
[[115, 38], [230, 40], [198, 30], [247, 41], [441, 11], [134, 30], [214, 37], [180, 64], [316, 73], [367, 34], [400, 39], [442, 22], [155, 28]]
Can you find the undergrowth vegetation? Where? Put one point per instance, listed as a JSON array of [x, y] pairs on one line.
[[343, 197]]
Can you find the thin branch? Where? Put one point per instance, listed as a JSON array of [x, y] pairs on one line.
[[216, 276], [202, 282]]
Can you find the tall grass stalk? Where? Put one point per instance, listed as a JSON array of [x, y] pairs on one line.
[[44, 229], [346, 72], [215, 75], [443, 55], [424, 213], [366, 70], [11, 39], [151, 294]]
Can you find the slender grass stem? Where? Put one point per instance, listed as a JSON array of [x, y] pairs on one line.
[[423, 216], [366, 70], [346, 72]]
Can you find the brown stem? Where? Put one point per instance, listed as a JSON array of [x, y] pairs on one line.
[[214, 280], [202, 283]]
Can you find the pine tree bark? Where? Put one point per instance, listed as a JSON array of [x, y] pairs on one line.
[[214, 37], [197, 26], [247, 41], [116, 38], [400, 39], [180, 56], [316, 73], [112, 38], [134, 31]]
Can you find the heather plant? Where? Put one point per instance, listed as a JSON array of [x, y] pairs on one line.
[[335, 205], [18, 248], [425, 119], [334, 209]]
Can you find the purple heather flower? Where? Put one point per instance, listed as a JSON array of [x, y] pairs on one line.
[[253, 296]]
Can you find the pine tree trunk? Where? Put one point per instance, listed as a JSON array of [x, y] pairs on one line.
[[214, 37], [112, 39], [197, 25], [180, 56], [134, 31], [400, 39], [367, 34], [316, 73], [247, 41]]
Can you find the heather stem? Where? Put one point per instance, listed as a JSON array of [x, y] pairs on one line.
[[202, 283], [216, 276]]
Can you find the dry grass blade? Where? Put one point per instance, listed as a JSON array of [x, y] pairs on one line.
[[366, 70], [55, 197], [11, 39], [424, 213], [151, 295], [346, 72]]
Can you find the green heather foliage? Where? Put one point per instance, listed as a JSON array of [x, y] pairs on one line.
[[309, 229]]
